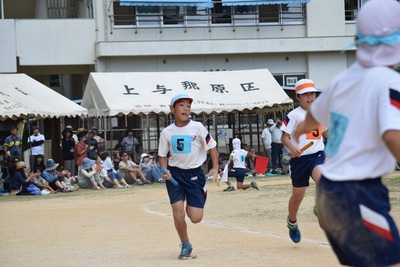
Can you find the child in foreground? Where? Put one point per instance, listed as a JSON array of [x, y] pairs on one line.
[[353, 203], [187, 143]]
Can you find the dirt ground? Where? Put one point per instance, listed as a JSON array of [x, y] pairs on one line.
[[134, 227]]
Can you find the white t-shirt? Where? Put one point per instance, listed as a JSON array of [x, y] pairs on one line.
[[37, 150], [276, 134], [239, 158], [187, 145], [290, 123], [266, 136], [360, 105]]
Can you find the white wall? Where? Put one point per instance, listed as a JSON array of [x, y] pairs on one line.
[[8, 60], [325, 18], [322, 67], [56, 41]]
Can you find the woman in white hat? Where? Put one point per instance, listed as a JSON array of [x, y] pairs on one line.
[[150, 171]]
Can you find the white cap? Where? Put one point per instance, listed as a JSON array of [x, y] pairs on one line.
[[378, 32], [270, 121], [304, 86], [180, 97], [236, 143]]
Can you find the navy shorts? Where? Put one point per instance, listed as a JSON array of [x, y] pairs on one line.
[[355, 218], [302, 167], [191, 187], [238, 173]]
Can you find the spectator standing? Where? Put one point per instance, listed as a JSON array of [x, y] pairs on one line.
[[276, 147], [129, 144], [68, 146], [93, 145], [13, 143], [80, 150], [74, 136], [36, 142], [266, 138]]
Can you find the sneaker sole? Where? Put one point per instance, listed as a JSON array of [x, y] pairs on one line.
[[191, 257]]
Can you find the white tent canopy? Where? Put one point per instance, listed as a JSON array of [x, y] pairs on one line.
[[142, 93], [21, 97]]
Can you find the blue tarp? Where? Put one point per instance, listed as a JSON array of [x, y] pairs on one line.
[[198, 3], [259, 3]]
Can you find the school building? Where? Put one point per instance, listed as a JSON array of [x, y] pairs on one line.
[[60, 42]]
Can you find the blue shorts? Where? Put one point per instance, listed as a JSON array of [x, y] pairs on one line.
[[238, 173], [191, 187], [114, 175], [302, 167], [355, 218]]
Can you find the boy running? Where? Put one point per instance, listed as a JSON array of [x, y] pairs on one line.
[[353, 203], [303, 164], [187, 143]]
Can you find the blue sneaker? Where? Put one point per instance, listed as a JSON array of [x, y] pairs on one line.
[[294, 232], [186, 253]]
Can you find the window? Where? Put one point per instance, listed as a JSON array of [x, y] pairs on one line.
[[221, 14], [62, 8], [124, 15], [288, 81], [282, 13], [351, 8]]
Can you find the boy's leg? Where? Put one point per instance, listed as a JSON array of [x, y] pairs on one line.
[[295, 201], [195, 214], [178, 212]]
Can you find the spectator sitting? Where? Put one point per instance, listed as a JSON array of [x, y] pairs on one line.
[[12, 166], [112, 177], [100, 174], [129, 170], [70, 180], [38, 163], [150, 171], [20, 181], [41, 183], [87, 177], [53, 177]]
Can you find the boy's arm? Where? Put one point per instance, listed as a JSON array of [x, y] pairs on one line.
[[294, 150], [214, 157], [392, 141], [163, 164]]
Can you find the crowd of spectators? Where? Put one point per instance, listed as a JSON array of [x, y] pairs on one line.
[[85, 164]]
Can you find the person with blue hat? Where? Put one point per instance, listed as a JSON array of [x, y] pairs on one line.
[[54, 177], [88, 177]]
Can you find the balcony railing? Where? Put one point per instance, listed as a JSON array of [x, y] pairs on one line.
[[189, 17]]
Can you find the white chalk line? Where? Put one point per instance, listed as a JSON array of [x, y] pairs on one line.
[[236, 227]]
